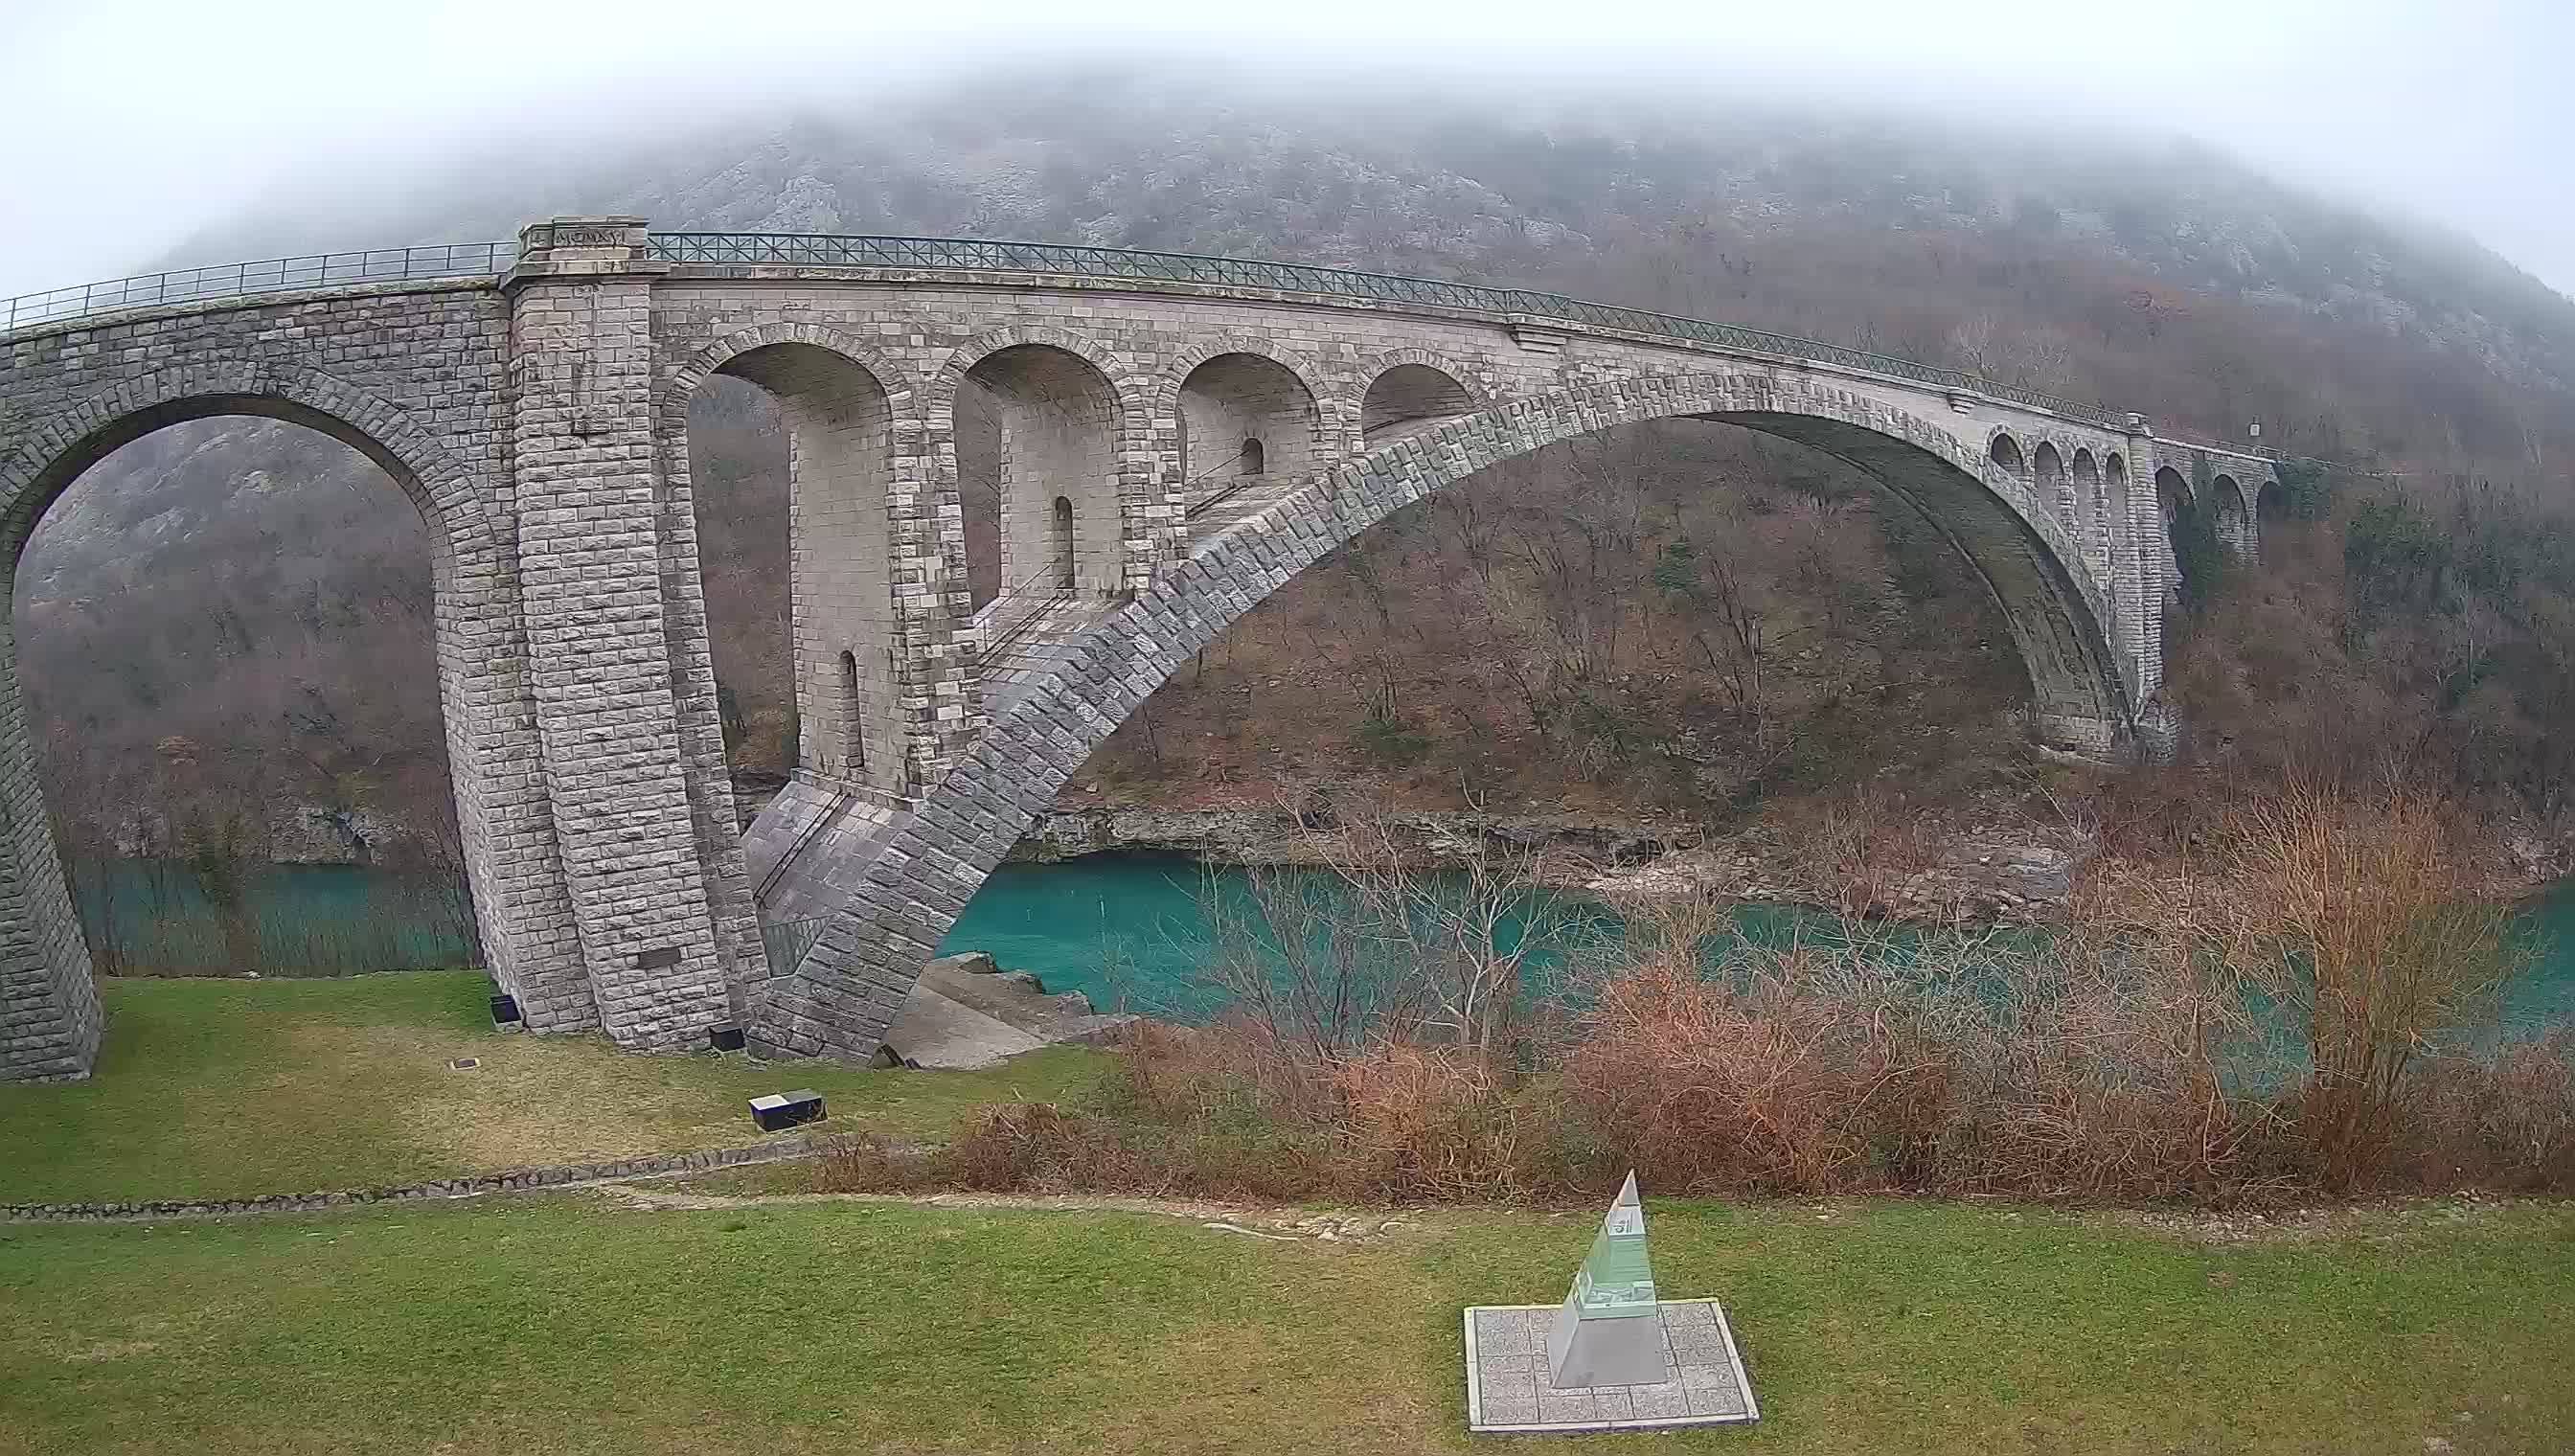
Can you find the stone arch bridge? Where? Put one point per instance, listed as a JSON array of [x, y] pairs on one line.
[[1171, 439]]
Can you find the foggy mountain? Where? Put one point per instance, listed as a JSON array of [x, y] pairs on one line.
[[2146, 275]]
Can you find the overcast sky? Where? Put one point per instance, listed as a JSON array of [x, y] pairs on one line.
[[132, 123]]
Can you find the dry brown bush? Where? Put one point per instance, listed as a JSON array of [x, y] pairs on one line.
[[2363, 921], [2503, 1121], [2136, 1054], [1857, 849], [1430, 1122]]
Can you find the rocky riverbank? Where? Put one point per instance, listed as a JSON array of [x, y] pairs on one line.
[[1971, 872]]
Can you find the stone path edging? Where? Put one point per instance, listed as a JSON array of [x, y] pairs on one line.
[[471, 1186]]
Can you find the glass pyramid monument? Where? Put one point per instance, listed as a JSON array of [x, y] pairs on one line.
[[1609, 1330]]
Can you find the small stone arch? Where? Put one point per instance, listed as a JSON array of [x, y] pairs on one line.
[[1167, 387], [2048, 475], [1237, 414], [2178, 506], [1447, 390], [848, 419], [2006, 451], [939, 398], [2231, 516], [2089, 513], [683, 381], [2116, 524], [1051, 380]]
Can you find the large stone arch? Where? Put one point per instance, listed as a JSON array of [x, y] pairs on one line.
[[493, 755], [843, 994]]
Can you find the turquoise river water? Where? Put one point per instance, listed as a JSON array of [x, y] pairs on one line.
[[1132, 931]]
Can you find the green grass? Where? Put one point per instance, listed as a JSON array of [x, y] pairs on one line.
[[229, 1087], [568, 1325]]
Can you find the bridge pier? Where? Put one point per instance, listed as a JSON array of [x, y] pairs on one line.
[[619, 672]]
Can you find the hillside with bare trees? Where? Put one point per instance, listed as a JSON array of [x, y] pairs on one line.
[[229, 622]]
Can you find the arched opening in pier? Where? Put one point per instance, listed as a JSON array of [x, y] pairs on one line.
[[1242, 415], [854, 705], [1035, 426], [1059, 547], [789, 464], [1407, 397]]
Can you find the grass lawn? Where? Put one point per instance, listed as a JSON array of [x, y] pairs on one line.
[[569, 1324], [227, 1087]]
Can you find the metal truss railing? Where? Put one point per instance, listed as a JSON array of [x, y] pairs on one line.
[[774, 250], [269, 274]]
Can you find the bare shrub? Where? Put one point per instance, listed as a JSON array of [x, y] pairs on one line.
[[2304, 1019], [1785, 1071], [1856, 849], [2104, 1072], [1430, 1122], [2503, 1121], [863, 1162], [1382, 948], [2363, 920]]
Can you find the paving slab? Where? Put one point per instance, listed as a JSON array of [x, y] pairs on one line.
[[1508, 1388]]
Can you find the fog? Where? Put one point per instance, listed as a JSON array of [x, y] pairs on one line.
[[137, 125]]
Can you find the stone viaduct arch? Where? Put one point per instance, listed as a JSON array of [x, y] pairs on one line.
[[1177, 437], [845, 991]]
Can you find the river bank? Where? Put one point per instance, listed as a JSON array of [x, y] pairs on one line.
[[1949, 869], [1975, 864]]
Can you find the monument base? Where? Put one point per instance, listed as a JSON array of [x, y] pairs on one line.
[[1509, 1389]]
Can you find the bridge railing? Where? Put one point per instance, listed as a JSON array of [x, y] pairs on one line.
[[268, 275], [793, 250]]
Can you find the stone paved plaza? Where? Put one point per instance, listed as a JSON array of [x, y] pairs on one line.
[[1507, 1387]]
